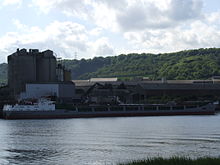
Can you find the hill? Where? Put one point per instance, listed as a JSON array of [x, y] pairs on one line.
[[189, 64]]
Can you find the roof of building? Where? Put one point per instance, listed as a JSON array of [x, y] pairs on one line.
[[216, 77], [179, 81], [103, 79], [174, 86], [146, 82], [56, 82]]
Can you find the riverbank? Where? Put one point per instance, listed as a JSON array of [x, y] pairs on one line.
[[176, 161]]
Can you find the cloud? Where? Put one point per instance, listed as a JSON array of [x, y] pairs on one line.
[[96, 31], [103, 47], [63, 37], [198, 35], [114, 4], [11, 2], [185, 9], [141, 16], [128, 15], [104, 50], [213, 18], [19, 25], [69, 7]]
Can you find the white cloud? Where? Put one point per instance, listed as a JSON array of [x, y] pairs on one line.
[[104, 50], [79, 8], [198, 35], [185, 9], [44, 5], [128, 15], [114, 4], [11, 2], [63, 37], [213, 18], [142, 15], [19, 25], [102, 47], [103, 16], [96, 31]]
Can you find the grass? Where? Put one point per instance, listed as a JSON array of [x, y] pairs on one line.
[[175, 161]]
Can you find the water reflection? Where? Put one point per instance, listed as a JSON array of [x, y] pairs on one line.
[[31, 156], [107, 140]]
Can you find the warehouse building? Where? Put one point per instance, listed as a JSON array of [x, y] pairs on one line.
[[141, 91], [63, 91]]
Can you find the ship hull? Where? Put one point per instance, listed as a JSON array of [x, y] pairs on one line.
[[61, 113]]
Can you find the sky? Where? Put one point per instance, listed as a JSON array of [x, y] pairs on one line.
[[90, 28]]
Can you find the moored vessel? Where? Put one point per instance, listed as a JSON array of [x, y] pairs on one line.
[[45, 109]]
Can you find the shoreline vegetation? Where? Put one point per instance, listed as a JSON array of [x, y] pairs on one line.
[[175, 161]]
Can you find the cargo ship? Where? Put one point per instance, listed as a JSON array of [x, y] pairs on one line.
[[45, 109]]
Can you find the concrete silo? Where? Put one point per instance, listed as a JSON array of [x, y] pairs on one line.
[[21, 69], [46, 67], [29, 67], [33, 67]]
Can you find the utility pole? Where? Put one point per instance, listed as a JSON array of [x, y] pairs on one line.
[[75, 55]]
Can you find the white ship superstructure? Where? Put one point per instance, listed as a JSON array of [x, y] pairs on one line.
[[41, 105]]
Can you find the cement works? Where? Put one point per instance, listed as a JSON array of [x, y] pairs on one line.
[[33, 74]]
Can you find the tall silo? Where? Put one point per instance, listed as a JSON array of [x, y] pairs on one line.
[[59, 72], [46, 67], [67, 75], [21, 69]]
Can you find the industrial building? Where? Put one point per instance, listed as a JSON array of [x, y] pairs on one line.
[[33, 74], [27, 67], [62, 73], [34, 67], [64, 91], [141, 91]]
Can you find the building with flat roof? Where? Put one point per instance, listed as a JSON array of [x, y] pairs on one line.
[[61, 90], [103, 79]]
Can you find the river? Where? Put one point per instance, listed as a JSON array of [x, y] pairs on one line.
[[103, 141]]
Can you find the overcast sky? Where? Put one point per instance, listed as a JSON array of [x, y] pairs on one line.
[[108, 27]]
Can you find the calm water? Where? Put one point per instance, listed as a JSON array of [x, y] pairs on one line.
[[107, 140]]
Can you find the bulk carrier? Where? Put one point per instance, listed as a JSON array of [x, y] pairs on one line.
[[45, 109]]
